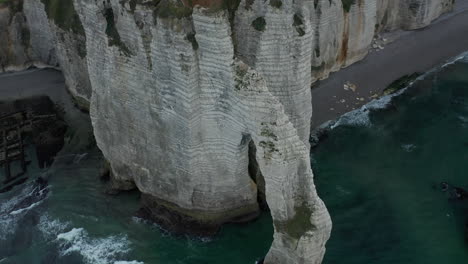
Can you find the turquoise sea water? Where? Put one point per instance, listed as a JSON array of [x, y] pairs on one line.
[[378, 173], [78, 223]]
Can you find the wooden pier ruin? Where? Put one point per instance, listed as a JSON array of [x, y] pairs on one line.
[[14, 128]]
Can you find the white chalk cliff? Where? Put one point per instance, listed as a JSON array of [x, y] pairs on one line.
[[204, 105]]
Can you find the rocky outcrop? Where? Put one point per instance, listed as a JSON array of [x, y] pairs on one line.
[[191, 110], [205, 109]]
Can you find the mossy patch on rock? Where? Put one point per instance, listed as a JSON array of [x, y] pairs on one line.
[[267, 132], [401, 83], [299, 224], [171, 9], [298, 24], [259, 24], [248, 4], [269, 148], [276, 3], [112, 33], [191, 37], [318, 68], [25, 36], [64, 15], [347, 4]]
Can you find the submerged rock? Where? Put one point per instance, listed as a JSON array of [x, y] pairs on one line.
[[459, 199]]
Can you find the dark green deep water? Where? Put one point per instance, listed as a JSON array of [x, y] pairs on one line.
[[378, 173], [78, 223]]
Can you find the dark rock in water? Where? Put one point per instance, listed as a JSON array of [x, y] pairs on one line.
[[444, 186], [319, 134], [466, 230], [455, 193], [39, 193], [176, 223], [181, 222], [460, 193], [459, 200], [260, 261], [104, 171]]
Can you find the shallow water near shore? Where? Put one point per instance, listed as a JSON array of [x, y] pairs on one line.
[[380, 175]]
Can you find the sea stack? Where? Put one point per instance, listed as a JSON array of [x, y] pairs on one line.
[[205, 106]]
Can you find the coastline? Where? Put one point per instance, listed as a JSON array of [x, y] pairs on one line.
[[408, 53]]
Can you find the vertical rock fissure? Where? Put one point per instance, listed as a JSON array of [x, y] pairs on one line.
[[257, 176]]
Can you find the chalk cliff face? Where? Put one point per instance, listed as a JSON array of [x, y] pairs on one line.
[[42, 33], [15, 39], [344, 29], [191, 111], [206, 109]]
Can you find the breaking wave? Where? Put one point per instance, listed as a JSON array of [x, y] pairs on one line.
[[360, 116], [51, 227], [95, 250], [21, 210], [16, 206], [463, 58]]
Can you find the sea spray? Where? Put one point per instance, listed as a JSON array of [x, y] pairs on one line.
[[93, 250]]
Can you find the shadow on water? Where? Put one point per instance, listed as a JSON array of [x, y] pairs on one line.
[[381, 181]]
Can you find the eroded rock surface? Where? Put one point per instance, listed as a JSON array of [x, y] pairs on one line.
[[204, 106]]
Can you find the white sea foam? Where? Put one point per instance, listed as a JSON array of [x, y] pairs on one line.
[[7, 205], [51, 227], [7, 226], [360, 117], [408, 147], [463, 119], [8, 215], [94, 250], [462, 57], [19, 211], [128, 262], [342, 191]]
